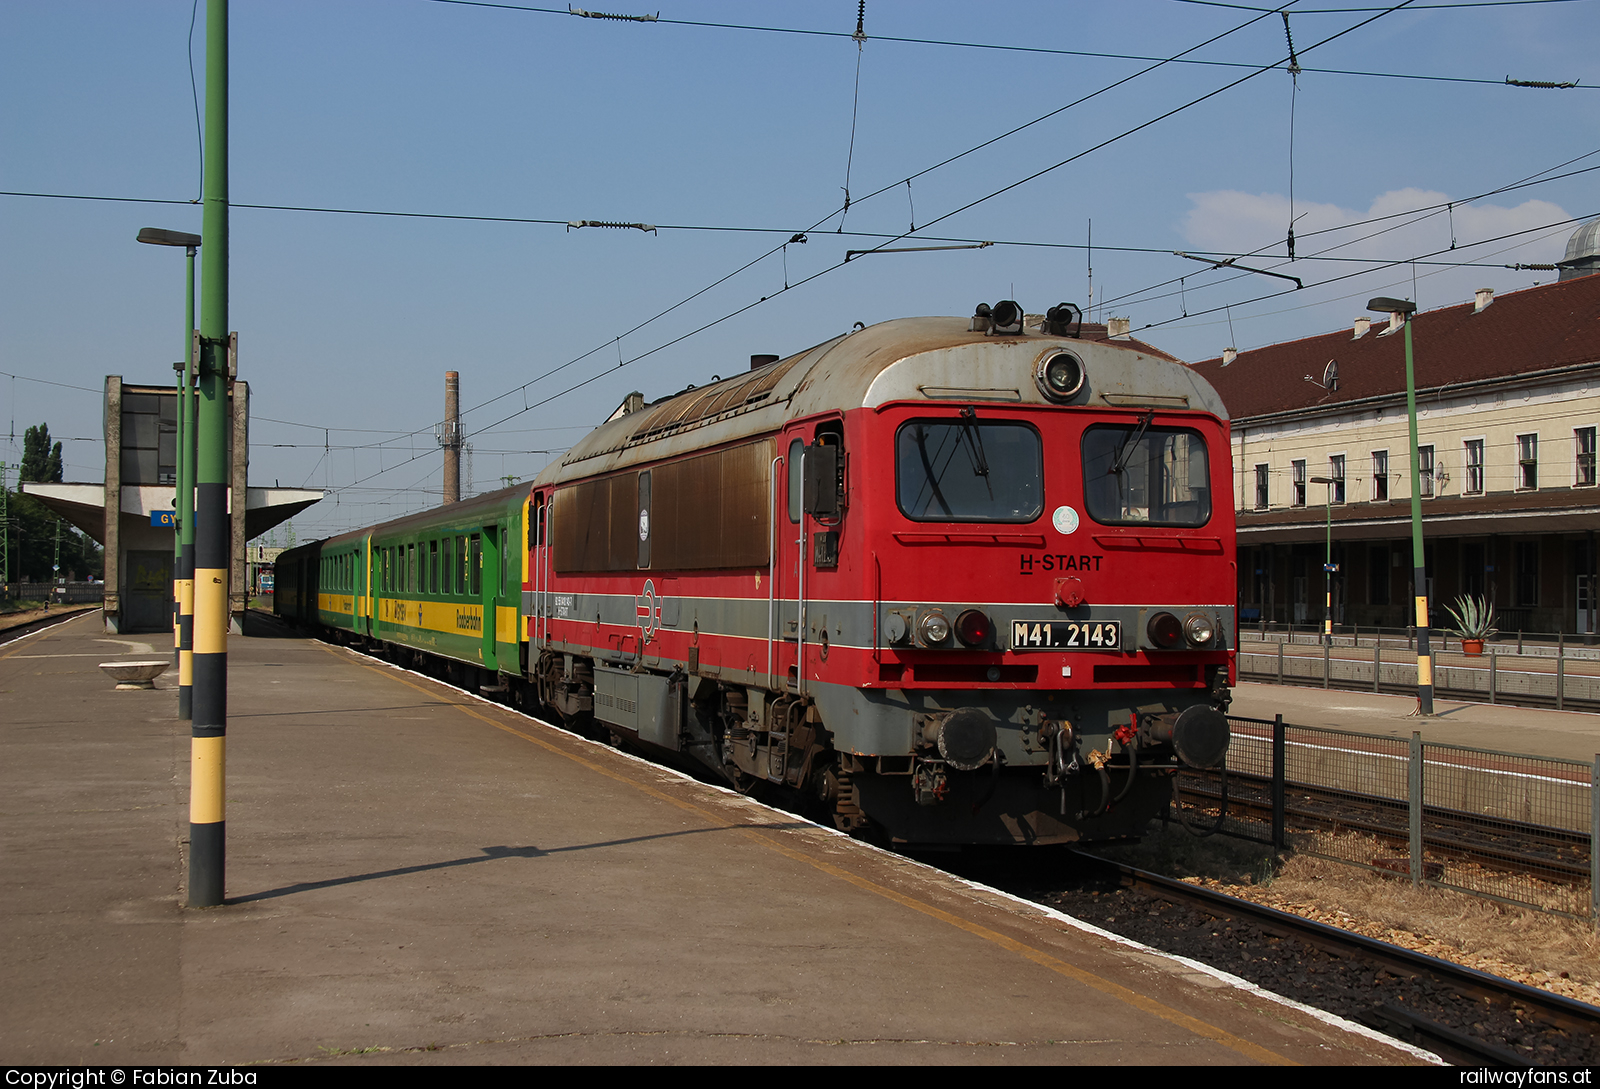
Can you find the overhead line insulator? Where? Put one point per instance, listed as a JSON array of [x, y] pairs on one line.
[[1542, 84], [575, 223], [582, 14]]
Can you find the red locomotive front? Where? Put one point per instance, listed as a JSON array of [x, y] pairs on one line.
[[964, 581]]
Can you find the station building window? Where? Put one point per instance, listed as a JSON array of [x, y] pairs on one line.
[[1262, 479], [1583, 440], [1473, 453], [1298, 473], [1527, 462], [1380, 476]]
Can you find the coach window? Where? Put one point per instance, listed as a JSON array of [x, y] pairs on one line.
[[1135, 474], [475, 566], [433, 567], [969, 470]]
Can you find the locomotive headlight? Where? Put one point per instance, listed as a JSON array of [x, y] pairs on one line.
[[934, 628], [1199, 630], [1164, 630], [1059, 376]]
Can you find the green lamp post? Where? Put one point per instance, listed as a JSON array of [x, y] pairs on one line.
[[183, 508], [1402, 309], [1328, 567]]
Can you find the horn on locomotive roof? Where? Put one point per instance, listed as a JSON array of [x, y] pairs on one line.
[[1064, 320], [1005, 317]]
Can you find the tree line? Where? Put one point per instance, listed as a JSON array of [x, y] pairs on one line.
[[31, 529]]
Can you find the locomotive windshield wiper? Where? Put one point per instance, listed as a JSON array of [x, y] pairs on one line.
[[1125, 451], [980, 465], [928, 472]]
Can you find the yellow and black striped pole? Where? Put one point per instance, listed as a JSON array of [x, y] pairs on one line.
[[186, 470], [209, 728]]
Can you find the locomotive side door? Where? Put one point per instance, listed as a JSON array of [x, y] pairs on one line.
[[810, 540], [788, 575]]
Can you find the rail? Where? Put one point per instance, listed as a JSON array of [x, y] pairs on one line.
[[1537, 1012], [1504, 826]]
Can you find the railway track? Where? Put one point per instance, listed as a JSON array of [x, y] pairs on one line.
[[39, 623], [1550, 854], [1465, 1016]]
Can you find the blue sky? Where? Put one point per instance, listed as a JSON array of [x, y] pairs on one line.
[[348, 322]]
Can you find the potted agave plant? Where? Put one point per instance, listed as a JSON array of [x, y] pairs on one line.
[[1474, 618]]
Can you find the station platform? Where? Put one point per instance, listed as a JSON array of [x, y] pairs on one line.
[[1530, 731], [418, 877]]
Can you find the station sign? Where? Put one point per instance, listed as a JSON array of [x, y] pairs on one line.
[[164, 518]]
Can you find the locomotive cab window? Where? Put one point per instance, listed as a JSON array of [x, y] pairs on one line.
[[969, 470], [1142, 475]]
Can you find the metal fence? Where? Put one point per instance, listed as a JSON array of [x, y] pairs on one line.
[[70, 593], [1508, 827], [1555, 675]]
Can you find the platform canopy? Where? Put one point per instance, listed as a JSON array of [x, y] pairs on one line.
[[84, 505]]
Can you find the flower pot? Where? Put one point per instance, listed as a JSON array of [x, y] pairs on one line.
[[1472, 647]]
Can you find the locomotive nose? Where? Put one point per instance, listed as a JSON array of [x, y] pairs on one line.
[[966, 738]]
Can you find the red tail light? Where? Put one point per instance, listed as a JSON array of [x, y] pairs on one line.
[[973, 628]]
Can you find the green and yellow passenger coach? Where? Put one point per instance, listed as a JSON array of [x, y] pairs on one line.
[[445, 582]]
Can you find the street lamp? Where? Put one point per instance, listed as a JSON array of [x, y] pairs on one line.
[[1328, 567], [183, 532], [1402, 309]]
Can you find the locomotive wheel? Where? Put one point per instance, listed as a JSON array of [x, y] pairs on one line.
[[741, 781], [838, 793]]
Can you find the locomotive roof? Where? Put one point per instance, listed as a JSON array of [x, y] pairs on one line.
[[935, 360]]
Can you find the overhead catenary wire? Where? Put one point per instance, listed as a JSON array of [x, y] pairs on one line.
[[860, 38], [1294, 94], [596, 377], [1537, 178], [786, 286], [1050, 51], [1389, 264]]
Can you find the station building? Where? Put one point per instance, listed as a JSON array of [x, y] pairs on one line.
[[131, 514], [1508, 409]]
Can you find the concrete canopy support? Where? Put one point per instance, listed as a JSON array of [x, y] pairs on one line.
[[111, 536]]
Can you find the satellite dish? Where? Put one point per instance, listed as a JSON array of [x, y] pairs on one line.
[[1330, 375]]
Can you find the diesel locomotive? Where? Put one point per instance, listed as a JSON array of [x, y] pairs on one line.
[[956, 580]]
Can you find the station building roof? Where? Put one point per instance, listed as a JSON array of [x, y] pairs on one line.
[[1516, 336]]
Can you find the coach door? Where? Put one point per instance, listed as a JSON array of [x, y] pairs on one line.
[[536, 602], [489, 575], [367, 621]]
